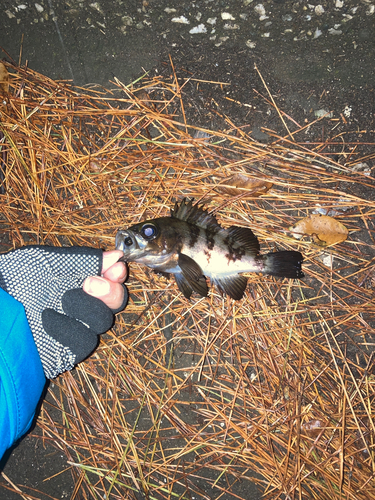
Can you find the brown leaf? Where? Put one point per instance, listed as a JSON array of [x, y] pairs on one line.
[[241, 183], [4, 79], [95, 166], [313, 427], [325, 230]]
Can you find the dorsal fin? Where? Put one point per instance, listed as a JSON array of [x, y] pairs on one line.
[[244, 237], [195, 215]]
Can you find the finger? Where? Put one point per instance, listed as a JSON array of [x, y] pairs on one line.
[[117, 272], [110, 258], [112, 294]]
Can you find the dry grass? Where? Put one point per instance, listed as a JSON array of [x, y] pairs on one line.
[[186, 399]]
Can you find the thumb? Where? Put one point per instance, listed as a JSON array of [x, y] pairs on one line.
[[97, 287]]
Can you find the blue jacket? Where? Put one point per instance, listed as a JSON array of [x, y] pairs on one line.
[[21, 373]]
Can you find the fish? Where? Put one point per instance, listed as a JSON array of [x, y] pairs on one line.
[[192, 245]]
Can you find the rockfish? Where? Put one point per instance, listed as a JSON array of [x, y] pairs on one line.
[[191, 244]]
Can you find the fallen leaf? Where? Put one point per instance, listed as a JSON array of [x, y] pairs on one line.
[[95, 166], [325, 230], [313, 427], [4, 79], [243, 184]]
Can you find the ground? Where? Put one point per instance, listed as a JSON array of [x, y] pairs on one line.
[[306, 58]]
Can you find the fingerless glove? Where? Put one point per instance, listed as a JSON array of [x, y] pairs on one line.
[[65, 321]]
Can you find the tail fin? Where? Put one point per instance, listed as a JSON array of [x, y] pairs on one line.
[[286, 264]]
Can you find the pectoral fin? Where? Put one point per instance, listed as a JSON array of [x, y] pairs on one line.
[[192, 273], [234, 285], [183, 285]]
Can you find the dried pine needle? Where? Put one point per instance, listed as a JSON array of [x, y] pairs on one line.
[[276, 389]]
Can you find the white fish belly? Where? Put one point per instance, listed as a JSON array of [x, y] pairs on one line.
[[217, 262]]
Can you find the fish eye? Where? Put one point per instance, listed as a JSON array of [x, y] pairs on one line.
[[128, 241], [149, 231]]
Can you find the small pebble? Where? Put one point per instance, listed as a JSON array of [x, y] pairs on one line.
[[201, 28], [181, 20]]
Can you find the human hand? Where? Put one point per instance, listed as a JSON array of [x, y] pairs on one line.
[[65, 318], [108, 287]]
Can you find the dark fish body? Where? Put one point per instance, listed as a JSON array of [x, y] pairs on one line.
[[191, 245]]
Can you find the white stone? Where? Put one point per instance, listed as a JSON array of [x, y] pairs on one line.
[[327, 259], [333, 31], [127, 20], [38, 7], [251, 44], [319, 10], [319, 113], [201, 28], [317, 33], [259, 9], [362, 168], [347, 111], [225, 16], [181, 20], [96, 6]]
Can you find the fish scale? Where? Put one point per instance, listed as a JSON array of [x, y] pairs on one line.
[[191, 245], [219, 255]]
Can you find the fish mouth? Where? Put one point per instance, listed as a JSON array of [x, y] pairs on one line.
[[125, 241]]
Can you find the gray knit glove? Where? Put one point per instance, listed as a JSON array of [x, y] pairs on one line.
[[65, 321]]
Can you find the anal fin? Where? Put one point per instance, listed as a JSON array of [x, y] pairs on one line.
[[233, 285]]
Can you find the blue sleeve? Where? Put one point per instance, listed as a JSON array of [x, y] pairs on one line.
[[21, 373]]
